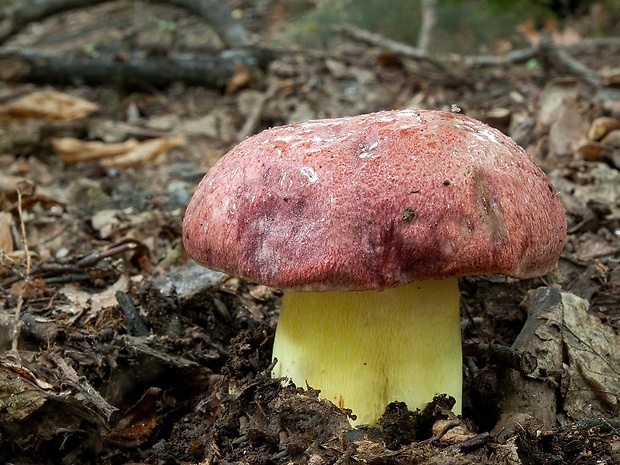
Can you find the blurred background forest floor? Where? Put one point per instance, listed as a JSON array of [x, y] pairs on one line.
[[116, 348]]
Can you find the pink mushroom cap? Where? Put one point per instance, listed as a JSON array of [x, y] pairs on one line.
[[375, 201]]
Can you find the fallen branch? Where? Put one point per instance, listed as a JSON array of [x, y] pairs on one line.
[[230, 31], [546, 51], [560, 58], [139, 70], [398, 48], [15, 18], [593, 44]]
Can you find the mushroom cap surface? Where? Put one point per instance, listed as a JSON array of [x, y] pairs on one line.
[[375, 201]]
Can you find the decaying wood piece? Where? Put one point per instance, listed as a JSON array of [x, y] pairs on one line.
[[532, 398], [578, 358]]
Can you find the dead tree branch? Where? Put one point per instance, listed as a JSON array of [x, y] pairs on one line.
[[232, 33], [561, 59], [546, 52], [138, 70], [15, 18], [398, 48]]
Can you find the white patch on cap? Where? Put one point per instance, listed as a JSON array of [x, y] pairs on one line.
[[367, 151], [309, 173], [486, 133]]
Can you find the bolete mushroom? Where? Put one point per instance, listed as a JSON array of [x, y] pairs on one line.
[[366, 222]]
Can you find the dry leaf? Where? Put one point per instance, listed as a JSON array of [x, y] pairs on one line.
[[612, 139], [567, 128], [145, 152], [108, 222], [73, 150], [10, 185], [533, 35], [553, 97], [20, 393], [139, 421], [78, 298], [592, 376], [455, 434], [107, 298], [591, 151], [6, 236], [188, 280], [115, 155], [48, 105], [602, 126], [241, 79], [31, 288]]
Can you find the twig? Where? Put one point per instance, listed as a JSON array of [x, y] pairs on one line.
[[109, 413], [448, 426], [521, 361], [254, 118], [477, 441], [55, 273], [561, 58], [140, 346], [593, 43], [441, 62], [20, 298], [603, 425], [511, 58], [135, 324], [95, 257]]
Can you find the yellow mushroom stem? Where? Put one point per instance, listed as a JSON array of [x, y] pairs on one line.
[[365, 349]]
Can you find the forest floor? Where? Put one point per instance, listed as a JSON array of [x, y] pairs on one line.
[[126, 351]]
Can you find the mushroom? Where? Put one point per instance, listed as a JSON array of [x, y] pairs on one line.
[[366, 222]]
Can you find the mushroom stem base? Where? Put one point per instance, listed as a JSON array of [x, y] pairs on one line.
[[365, 349]]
